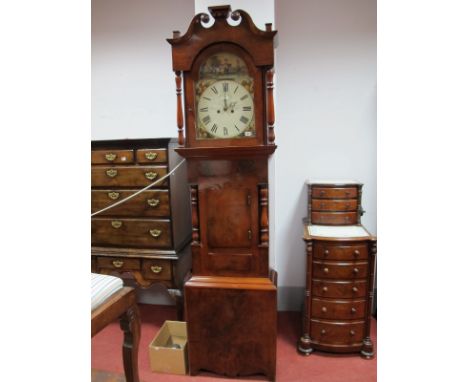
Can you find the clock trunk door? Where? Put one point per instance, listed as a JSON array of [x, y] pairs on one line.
[[230, 235]]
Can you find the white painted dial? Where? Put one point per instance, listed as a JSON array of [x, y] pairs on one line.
[[225, 109]]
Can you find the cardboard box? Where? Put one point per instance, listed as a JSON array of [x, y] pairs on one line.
[[168, 350]]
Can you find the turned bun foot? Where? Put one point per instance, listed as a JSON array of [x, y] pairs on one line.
[[367, 351], [304, 346]]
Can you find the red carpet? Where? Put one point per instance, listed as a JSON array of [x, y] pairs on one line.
[[290, 366]]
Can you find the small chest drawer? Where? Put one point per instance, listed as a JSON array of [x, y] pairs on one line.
[[334, 192], [340, 251], [339, 289], [118, 263], [157, 269], [111, 156], [127, 176], [338, 309], [147, 203], [336, 332], [334, 218], [151, 155], [339, 270], [134, 232], [334, 205]]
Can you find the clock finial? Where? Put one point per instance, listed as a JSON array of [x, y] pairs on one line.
[[220, 11]]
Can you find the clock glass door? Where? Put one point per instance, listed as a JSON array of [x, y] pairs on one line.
[[224, 97]]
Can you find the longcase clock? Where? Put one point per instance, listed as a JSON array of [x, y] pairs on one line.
[[225, 119]]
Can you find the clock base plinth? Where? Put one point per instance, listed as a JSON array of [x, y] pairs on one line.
[[231, 325]]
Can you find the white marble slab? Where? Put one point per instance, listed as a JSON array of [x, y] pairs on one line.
[[337, 231], [332, 181]]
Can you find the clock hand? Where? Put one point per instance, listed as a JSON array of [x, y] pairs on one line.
[[225, 102]]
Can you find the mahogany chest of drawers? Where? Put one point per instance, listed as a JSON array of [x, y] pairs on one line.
[[145, 236], [334, 203], [339, 289]]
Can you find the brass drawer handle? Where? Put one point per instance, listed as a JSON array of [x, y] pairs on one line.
[[151, 175], [113, 195], [325, 289], [355, 289], [156, 269], [110, 156], [352, 332], [116, 223], [155, 232], [355, 271], [325, 270], [111, 173], [324, 309], [353, 310], [326, 252], [153, 202], [356, 253], [118, 263], [322, 193], [151, 156], [323, 331]]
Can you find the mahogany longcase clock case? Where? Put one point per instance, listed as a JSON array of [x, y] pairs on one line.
[[225, 118]]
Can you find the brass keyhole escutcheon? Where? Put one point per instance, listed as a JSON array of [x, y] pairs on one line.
[[110, 156], [151, 155], [111, 173], [151, 175], [116, 224], [113, 195], [153, 202], [156, 269], [118, 263]]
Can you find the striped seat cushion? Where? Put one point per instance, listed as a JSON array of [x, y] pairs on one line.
[[102, 287]]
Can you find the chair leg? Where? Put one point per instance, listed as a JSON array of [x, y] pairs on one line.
[[130, 324]]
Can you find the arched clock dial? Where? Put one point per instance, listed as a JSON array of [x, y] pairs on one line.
[[225, 109]]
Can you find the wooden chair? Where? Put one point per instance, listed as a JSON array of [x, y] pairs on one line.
[[121, 304]]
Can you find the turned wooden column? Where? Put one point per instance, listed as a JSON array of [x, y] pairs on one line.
[[180, 117], [368, 347], [270, 108], [304, 345], [264, 229]]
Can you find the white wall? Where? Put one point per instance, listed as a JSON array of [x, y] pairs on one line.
[[325, 88], [133, 86], [326, 116]]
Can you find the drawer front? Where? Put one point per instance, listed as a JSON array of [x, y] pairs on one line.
[[336, 270], [157, 269], [336, 332], [127, 176], [334, 218], [151, 155], [339, 289], [111, 156], [118, 263], [131, 232], [338, 310], [334, 205], [334, 192], [340, 252], [147, 203]]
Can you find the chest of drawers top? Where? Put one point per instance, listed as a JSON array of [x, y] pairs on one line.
[[334, 202], [157, 218]]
